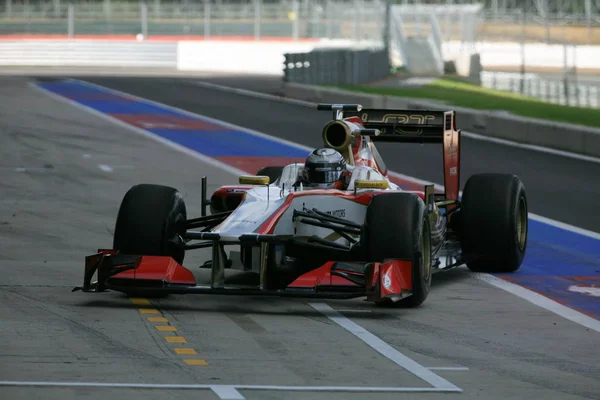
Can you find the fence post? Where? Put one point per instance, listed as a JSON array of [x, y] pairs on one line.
[[387, 29], [206, 19], [144, 18], [71, 19], [566, 71], [257, 13], [294, 17], [522, 51]]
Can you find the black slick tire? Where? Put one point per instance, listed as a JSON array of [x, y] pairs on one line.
[[493, 223], [397, 227], [150, 222]]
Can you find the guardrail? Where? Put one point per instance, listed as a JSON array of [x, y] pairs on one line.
[[336, 66]]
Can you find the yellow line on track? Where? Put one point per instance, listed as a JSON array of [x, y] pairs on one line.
[[175, 339], [165, 328], [184, 350], [189, 361], [149, 311], [168, 328], [157, 319], [139, 302]]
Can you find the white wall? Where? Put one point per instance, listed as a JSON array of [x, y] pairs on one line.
[[245, 56], [504, 54]]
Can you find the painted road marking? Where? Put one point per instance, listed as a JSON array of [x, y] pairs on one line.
[[105, 168], [166, 328], [157, 319], [448, 368], [543, 301], [149, 311], [228, 393], [194, 361], [589, 290], [175, 339], [226, 389], [385, 349], [553, 246], [184, 351], [139, 301]]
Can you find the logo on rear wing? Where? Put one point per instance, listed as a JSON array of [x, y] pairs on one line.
[[403, 122]]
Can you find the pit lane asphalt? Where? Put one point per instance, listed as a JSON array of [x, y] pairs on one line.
[[58, 205], [559, 188]]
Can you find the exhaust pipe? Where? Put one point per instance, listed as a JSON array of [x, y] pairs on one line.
[[338, 136]]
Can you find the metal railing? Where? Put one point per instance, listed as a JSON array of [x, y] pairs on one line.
[[336, 67], [334, 19], [557, 90]]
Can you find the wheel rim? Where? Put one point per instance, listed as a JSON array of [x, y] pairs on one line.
[[521, 223]]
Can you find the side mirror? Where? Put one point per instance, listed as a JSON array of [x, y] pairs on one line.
[[360, 184], [254, 180]]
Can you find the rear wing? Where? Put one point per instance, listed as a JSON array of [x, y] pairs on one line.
[[410, 126], [406, 126]]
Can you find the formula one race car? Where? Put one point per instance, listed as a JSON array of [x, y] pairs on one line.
[[368, 239]]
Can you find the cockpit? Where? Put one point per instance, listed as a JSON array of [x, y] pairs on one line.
[[292, 174]]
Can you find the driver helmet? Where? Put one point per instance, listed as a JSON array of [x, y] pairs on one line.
[[323, 167]]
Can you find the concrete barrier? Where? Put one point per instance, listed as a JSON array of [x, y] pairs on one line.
[[495, 124]]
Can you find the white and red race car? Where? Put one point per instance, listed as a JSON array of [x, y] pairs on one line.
[[370, 239]]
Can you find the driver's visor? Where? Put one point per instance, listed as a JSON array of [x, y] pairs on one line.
[[323, 175]]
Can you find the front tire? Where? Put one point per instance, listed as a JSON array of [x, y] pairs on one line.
[[398, 228], [151, 221], [494, 223]]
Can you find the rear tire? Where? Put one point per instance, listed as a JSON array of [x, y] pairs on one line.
[[494, 222], [151, 221], [272, 172], [398, 228]]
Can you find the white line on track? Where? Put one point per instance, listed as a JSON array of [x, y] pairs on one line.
[[448, 368], [526, 294], [168, 143], [228, 390], [542, 301], [385, 349], [227, 393], [471, 135], [105, 168]]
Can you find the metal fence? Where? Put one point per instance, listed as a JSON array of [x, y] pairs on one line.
[[565, 90], [572, 21], [336, 66], [334, 19]]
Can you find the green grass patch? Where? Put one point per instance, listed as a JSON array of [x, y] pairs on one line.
[[467, 95]]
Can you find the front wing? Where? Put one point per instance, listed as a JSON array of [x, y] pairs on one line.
[[139, 275]]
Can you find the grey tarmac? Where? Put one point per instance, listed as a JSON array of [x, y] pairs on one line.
[[58, 206]]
